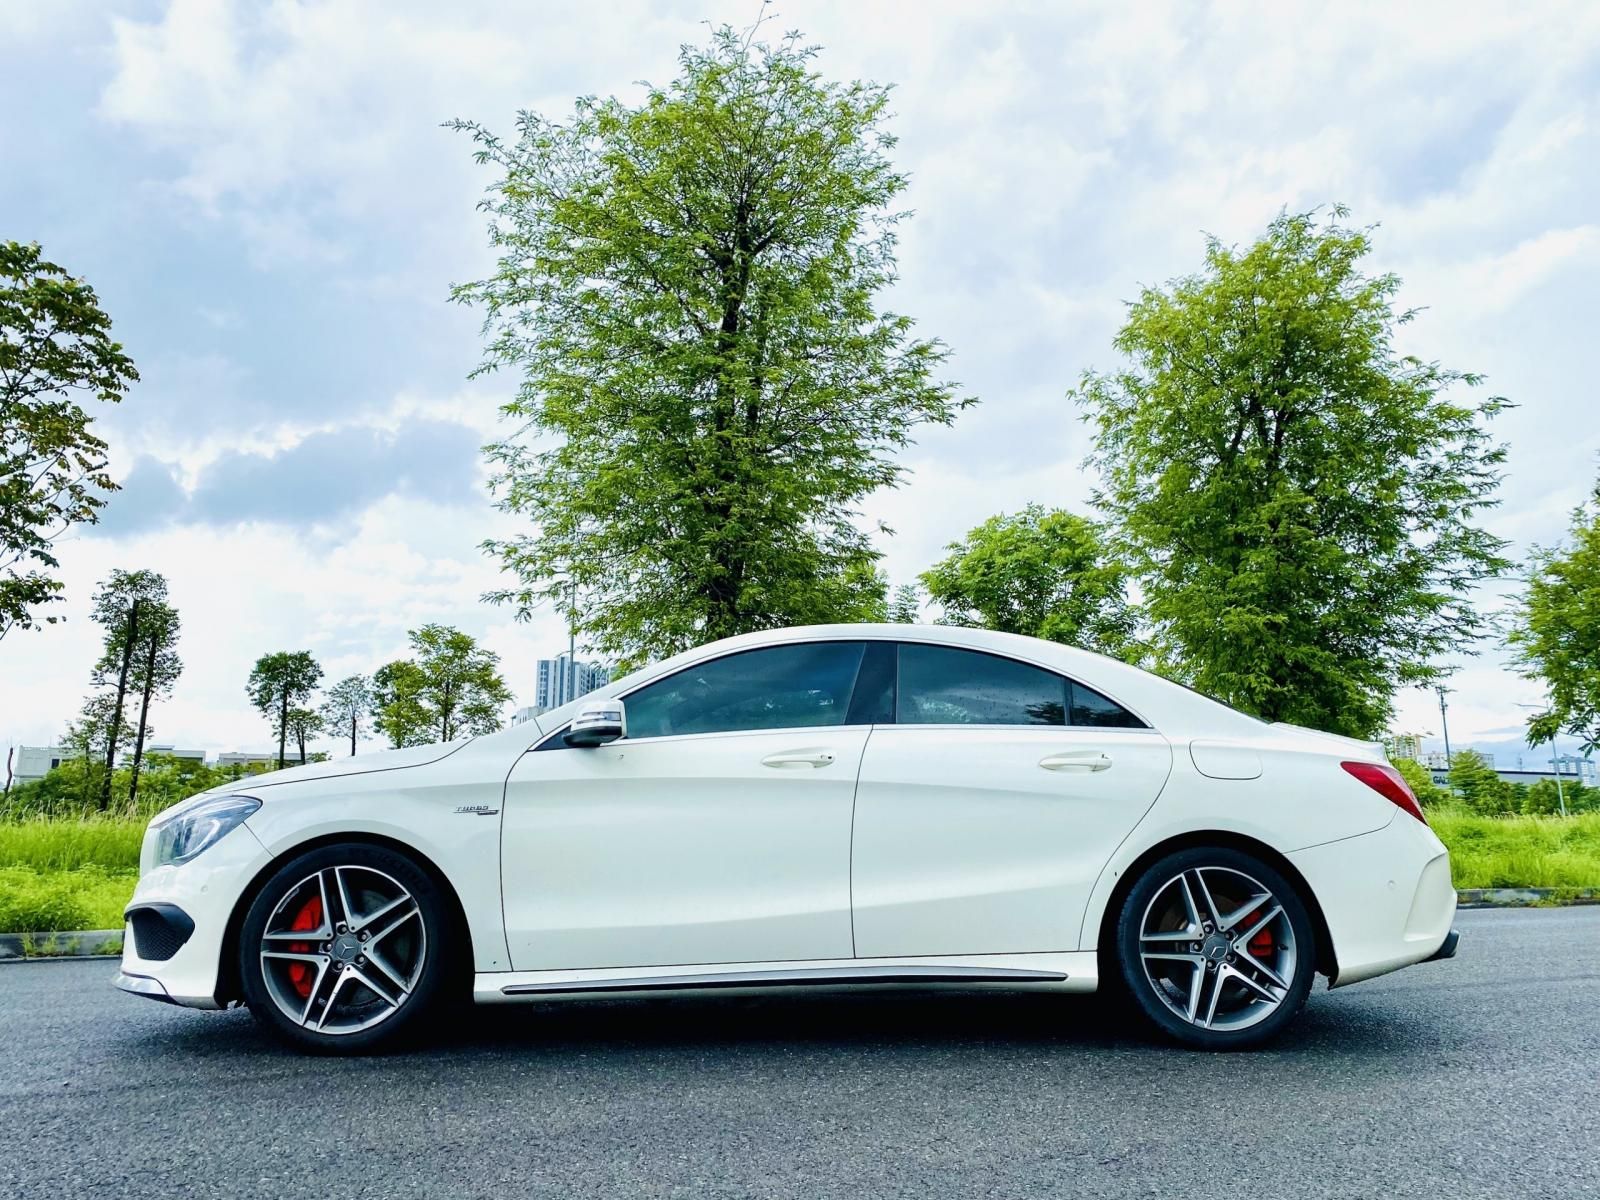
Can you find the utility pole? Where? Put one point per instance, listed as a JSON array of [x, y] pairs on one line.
[[1444, 724], [1555, 761]]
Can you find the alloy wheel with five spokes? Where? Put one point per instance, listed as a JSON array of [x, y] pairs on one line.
[[1216, 947], [342, 947]]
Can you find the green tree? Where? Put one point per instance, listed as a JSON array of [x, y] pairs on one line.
[[55, 347], [1045, 573], [1299, 500], [905, 608], [1474, 781], [398, 711], [156, 670], [128, 606], [280, 682], [689, 289], [347, 706], [451, 687], [1556, 632]]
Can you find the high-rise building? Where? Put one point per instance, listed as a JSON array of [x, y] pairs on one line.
[[563, 679], [1404, 745]]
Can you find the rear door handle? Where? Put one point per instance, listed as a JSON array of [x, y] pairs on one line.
[[792, 759], [1076, 760]]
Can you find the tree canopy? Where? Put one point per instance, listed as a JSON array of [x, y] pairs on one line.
[[451, 687], [1299, 501], [1045, 573], [282, 682], [1556, 632], [55, 349], [688, 290]]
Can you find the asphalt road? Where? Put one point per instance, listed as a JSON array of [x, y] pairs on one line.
[[1477, 1077]]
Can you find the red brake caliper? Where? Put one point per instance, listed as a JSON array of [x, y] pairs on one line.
[[1260, 943], [308, 918]]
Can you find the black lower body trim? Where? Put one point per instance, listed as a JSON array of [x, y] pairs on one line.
[[816, 976], [1448, 949]]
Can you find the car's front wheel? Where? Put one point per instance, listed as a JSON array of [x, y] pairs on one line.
[[1216, 948], [344, 948]]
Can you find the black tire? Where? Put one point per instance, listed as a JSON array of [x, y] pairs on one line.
[[1158, 996], [417, 954]]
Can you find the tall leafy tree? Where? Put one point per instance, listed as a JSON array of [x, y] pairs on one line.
[[689, 290], [156, 670], [126, 607], [1042, 572], [452, 686], [55, 350], [1299, 500], [280, 682], [347, 706], [1556, 634]]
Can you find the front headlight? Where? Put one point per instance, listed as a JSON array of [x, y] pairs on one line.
[[191, 831]]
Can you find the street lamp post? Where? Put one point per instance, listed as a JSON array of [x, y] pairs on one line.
[[1555, 761], [1444, 725]]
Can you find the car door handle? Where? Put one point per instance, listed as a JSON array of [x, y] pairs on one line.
[[791, 759], [1076, 760]]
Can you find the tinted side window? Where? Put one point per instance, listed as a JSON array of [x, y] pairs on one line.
[[944, 686], [775, 688], [1089, 707]]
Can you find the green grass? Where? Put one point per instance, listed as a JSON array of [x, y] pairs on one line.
[[83, 898], [1520, 851], [65, 844]]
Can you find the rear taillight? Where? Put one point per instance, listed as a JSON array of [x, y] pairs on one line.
[[1388, 783]]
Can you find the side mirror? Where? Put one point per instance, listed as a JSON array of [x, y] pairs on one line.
[[597, 722]]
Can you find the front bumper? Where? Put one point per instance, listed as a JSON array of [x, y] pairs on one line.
[[204, 891], [1387, 897]]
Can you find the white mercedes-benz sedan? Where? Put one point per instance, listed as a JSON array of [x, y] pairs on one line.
[[840, 806]]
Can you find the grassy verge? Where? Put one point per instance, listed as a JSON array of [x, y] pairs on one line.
[[67, 844], [1520, 851], [83, 898]]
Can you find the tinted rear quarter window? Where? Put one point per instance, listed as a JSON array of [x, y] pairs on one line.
[[941, 685]]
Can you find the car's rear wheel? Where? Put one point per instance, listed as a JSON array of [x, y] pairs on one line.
[[1216, 948], [344, 948]]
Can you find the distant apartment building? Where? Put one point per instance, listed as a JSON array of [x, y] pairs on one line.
[[1404, 745], [563, 679], [35, 762]]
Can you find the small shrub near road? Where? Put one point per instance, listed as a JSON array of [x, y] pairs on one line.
[[40, 901]]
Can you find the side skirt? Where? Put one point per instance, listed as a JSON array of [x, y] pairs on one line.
[[1069, 972]]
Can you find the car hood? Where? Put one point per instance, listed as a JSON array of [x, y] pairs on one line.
[[357, 764]]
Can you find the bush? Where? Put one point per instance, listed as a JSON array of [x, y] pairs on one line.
[[48, 901], [72, 789]]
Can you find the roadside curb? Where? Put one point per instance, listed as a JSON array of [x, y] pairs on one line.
[[73, 944], [1525, 897]]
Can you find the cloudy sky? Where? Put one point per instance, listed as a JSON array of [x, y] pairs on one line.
[[264, 198]]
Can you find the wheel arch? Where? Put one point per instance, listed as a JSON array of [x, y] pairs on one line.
[[229, 988], [1105, 943]]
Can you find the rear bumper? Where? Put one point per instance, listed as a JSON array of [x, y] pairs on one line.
[[1448, 950], [1386, 895]]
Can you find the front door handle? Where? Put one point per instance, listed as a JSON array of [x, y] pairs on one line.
[[791, 759], [1077, 760]]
